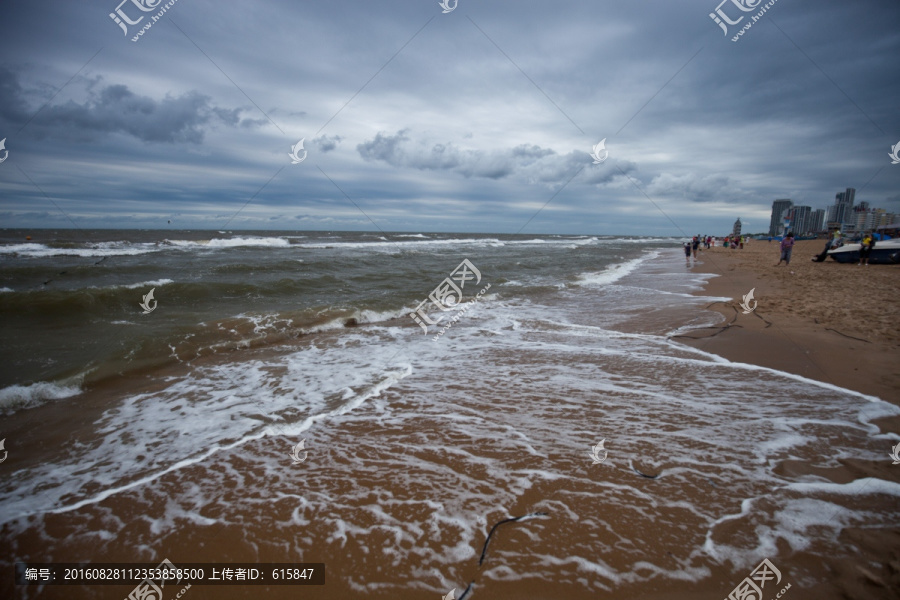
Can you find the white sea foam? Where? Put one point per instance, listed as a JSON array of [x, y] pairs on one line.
[[16, 397], [615, 272], [417, 448], [391, 245], [235, 242], [142, 284], [225, 414], [102, 249]]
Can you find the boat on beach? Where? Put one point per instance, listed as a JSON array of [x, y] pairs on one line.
[[885, 252]]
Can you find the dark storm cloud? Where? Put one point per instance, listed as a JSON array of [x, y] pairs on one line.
[[116, 109], [450, 121], [525, 160]]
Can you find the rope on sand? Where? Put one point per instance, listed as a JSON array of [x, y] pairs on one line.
[[720, 329], [493, 529], [468, 589], [768, 324], [633, 468], [847, 336], [498, 524], [644, 474]]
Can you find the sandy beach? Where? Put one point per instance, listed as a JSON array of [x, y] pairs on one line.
[[828, 321], [831, 322], [179, 447]]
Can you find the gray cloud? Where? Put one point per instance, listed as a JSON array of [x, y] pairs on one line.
[[327, 143], [447, 134], [115, 108], [399, 150]]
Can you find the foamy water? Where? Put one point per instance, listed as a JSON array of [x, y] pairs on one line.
[[417, 447]]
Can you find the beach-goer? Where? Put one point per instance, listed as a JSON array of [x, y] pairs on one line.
[[742, 242], [824, 254], [832, 242], [865, 249], [787, 244], [695, 243], [687, 253]]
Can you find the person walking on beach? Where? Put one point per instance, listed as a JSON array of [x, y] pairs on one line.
[[695, 243], [787, 244], [687, 253], [742, 242], [865, 249]]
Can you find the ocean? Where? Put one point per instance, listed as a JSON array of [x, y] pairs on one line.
[[136, 433]]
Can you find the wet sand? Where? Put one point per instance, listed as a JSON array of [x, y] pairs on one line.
[[832, 322], [255, 514], [827, 321]]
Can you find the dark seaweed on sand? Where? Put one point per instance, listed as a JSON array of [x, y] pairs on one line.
[[493, 529]]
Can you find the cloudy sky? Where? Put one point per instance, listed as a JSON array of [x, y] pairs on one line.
[[478, 120]]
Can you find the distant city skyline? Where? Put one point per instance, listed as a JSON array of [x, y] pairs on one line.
[[842, 214]]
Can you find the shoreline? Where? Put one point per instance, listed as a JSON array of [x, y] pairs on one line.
[[835, 323], [801, 325]]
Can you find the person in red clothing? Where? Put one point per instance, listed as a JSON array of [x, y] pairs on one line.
[[787, 244]]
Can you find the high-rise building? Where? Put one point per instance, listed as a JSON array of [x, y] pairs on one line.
[[886, 218], [736, 230], [778, 208], [843, 207], [865, 220], [817, 220], [799, 217]]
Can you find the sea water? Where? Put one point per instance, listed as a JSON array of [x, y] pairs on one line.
[[416, 445]]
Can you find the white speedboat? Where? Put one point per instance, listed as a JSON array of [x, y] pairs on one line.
[[885, 252]]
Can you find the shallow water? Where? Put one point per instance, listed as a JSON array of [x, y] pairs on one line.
[[417, 445]]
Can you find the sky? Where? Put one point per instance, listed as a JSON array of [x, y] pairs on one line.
[[479, 119]]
